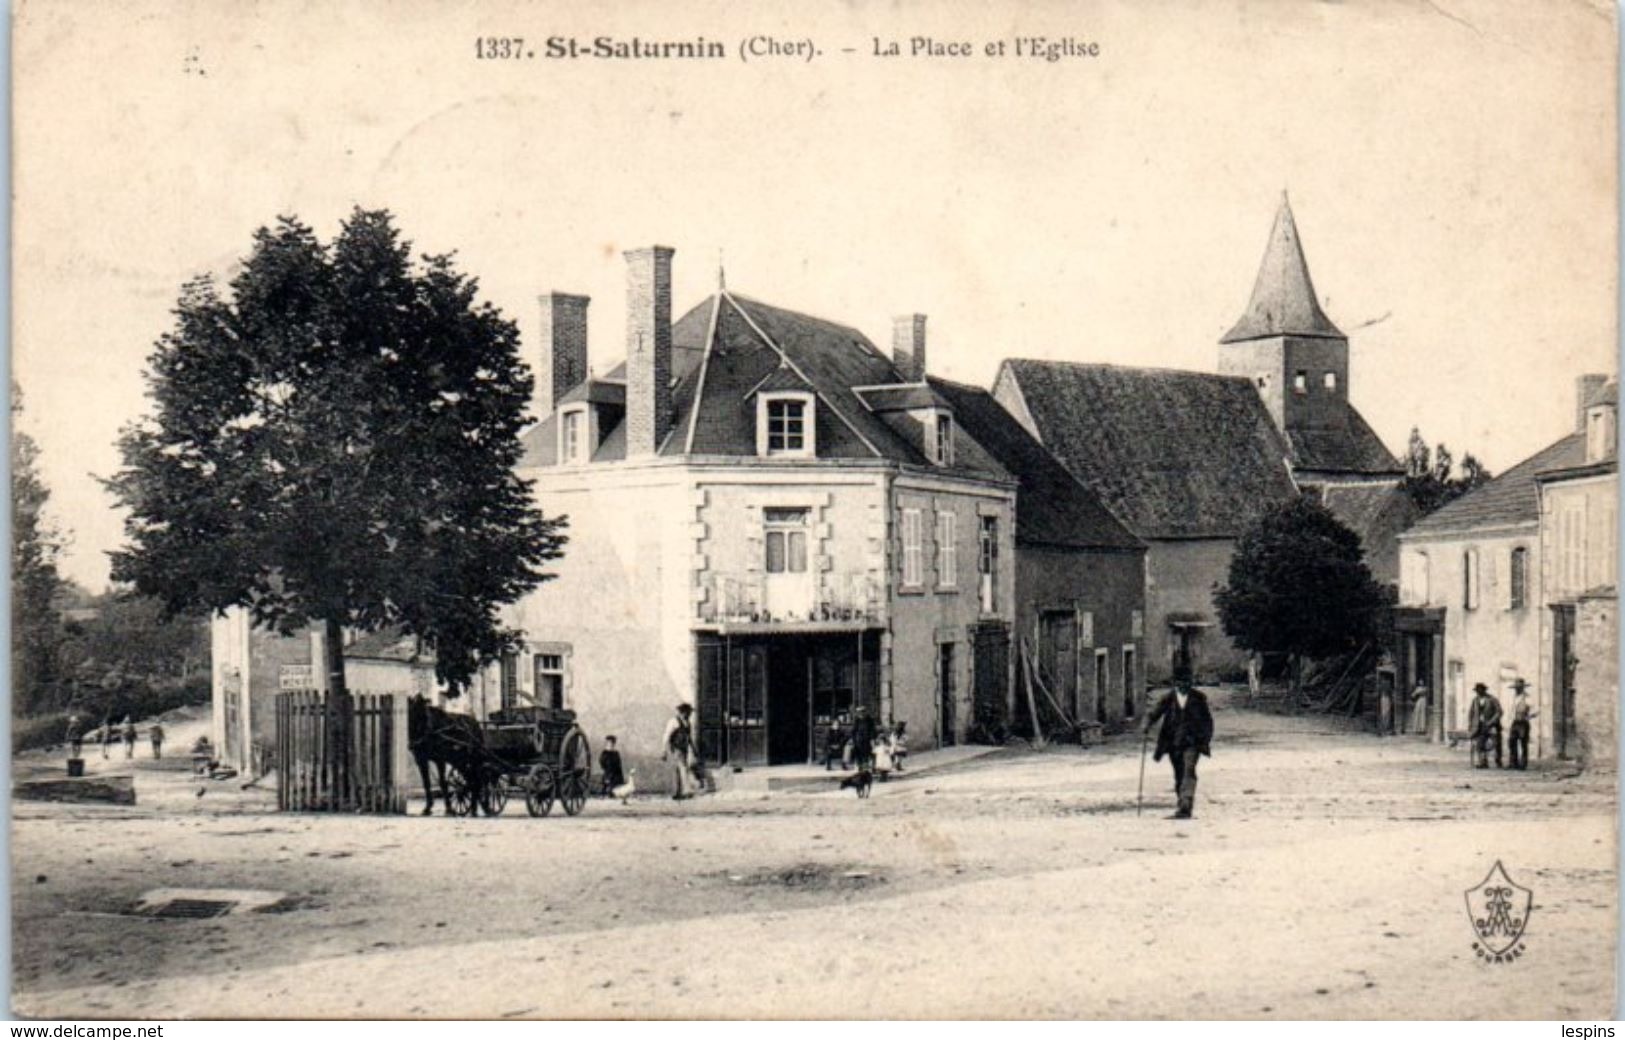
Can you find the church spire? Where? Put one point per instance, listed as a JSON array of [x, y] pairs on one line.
[[1283, 302]]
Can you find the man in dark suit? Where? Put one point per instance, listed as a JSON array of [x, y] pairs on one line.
[[1186, 735], [1484, 723]]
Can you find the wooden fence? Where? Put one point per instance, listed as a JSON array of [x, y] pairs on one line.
[[313, 777]]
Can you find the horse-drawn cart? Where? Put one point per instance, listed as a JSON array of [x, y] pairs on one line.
[[538, 753]]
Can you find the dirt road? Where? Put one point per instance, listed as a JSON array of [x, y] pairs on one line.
[[1324, 877]]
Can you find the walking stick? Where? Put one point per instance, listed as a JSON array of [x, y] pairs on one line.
[[1139, 797]]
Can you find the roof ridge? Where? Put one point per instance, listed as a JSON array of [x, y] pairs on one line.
[[1449, 510], [1119, 367]]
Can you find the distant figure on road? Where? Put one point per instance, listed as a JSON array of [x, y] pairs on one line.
[[129, 737], [899, 745], [678, 746], [1186, 735], [835, 742], [74, 737], [1518, 738], [863, 739], [1419, 709], [1484, 723], [156, 735], [107, 733], [1385, 706], [609, 764]]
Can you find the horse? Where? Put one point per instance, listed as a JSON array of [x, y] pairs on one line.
[[445, 739]]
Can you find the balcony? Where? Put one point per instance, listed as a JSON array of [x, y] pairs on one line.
[[835, 601]]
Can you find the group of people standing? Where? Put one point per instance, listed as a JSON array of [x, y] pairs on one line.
[[110, 733], [859, 742], [1485, 718]]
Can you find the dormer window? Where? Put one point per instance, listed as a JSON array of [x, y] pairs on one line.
[[784, 424], [573, 436], [940, 439]]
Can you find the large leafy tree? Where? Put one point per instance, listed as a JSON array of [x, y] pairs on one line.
[[1298, 584], [37, 636], [333, 442]]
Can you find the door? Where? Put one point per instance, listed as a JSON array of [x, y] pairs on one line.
[[945, 694], [1058, 659], [1130, 682], [1563, 662], [789, 701], [1102, 681]]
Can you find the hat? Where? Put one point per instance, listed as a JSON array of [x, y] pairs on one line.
[[1519, 686], [1479, 687], [686, 708]]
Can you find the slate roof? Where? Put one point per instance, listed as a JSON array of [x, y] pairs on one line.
[[1362, 508], [1283, 301], [733, 347], [1511, 498], [903, 397], [1356, 449], [1172, 454], [597, 391], [1052, 507]]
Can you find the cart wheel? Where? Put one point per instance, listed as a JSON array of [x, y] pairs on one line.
[[575, 771], [459, 799], [539, 791], [495, 796]]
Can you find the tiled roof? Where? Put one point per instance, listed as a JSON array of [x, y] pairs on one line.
[[1511, 498], [1173, 454], [1355, 449], [1283, 301], [1052, 507]]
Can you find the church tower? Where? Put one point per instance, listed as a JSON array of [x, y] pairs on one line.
[[1285, 344]]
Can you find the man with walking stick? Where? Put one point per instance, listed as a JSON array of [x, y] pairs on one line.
[[1186, 735]]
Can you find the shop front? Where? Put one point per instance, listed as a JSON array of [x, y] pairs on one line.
[[768, 693]]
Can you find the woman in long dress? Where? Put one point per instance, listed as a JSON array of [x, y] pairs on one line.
[[1419, 710]]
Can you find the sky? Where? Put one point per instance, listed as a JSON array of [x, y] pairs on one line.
[[1451, 167]]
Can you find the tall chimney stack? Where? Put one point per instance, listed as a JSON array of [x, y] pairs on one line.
[[563, 364], [648, 349], [908, 346], [1585, 387]]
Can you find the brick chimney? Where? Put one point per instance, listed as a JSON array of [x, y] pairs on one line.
[[908, 346], [648, 349], [563, 364], [1585, 387]]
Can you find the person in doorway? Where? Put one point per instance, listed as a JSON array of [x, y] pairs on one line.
[[609, 765], [156, 735], [863, 739], [128, 732], [835, 742], [1419, 709], [1518, 737], [74, 737], [1186, 735], [107, 733], [899, 745], [1484, 724], [677, 745]]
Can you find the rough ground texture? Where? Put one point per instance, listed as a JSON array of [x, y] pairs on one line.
[[1324, 877]]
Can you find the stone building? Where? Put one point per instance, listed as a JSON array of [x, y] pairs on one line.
[[1188, 460]]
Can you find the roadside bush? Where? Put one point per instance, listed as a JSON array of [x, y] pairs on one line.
[[37, 731], [139, 700]]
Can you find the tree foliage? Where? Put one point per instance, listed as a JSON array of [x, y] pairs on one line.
[[37, 636], [333, 441], [1432, 478], [1298, 584]]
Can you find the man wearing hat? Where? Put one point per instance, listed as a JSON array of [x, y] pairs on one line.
[[676, 747], [1186, 735], [1484, 723], [1518, 738]]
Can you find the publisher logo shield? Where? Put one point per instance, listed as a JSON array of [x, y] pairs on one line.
[[1499, 909]]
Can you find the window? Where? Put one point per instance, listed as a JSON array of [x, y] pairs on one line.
[[572, 440], [510, 681], [1518, 578], [1599, 434], [550, 680], [786, 539], [987, 563], [942, 440], [947, 551], [1469, 579], [912, 562], [784, 424], [1571, 548], [1300, 382], [1329, 381]]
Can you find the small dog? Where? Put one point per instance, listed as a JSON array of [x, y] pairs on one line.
[[860, 782]]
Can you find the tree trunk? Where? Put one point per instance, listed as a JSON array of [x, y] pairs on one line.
[[340, 718]]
